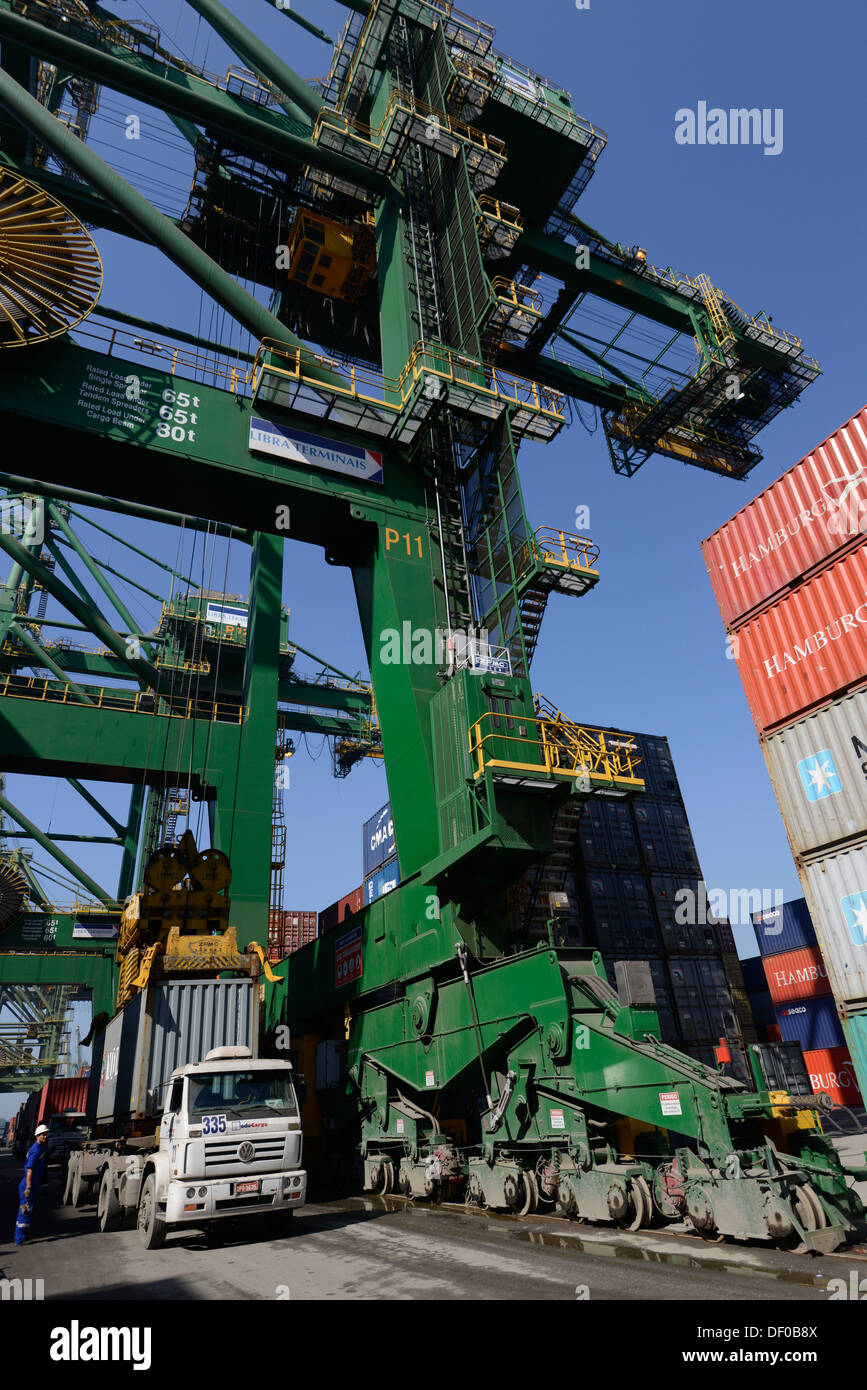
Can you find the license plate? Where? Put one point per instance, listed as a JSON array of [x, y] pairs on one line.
[[245, 1187]]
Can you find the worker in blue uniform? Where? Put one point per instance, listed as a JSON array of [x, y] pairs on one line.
[[34, 1174]]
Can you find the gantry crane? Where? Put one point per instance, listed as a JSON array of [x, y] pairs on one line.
[[434, 301]]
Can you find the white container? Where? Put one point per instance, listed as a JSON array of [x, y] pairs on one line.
[[836, 889], [818, 767]]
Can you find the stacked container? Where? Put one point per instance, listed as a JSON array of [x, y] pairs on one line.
[[289, 929], [799, 991], [790, 576], [640, 896], [381, 872]]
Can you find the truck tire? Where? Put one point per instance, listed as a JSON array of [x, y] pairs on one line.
[[108, 1209], [81, 1193], [151, 1226]]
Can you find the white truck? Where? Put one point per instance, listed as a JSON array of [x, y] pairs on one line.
[[183, 1142]]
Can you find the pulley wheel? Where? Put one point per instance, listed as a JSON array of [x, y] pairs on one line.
[[50, 271], [13, 892]]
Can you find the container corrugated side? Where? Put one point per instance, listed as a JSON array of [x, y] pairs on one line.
[[836, 888], [855, 1033], [800, 974], [831, 1070], [189, 1018], [167, 1026], [807, 648], [817, 767], [811, 1022], [784, 928], [62, 1093], [792, 527], [379, 844]]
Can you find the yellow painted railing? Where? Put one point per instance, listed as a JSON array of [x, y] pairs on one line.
[[563, 548], [143, 702], [555, 747]]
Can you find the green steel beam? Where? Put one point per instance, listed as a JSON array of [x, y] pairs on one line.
[[42, 658], [82, 201], [131, 834], [258, 56], [615, 283], [565, 377], [325, 697], [50, 848], [285, 8], [243, 488], [95, 571], [598, 358], [90, 970], [85, 613], [171, 89], [126, 508], [128, 545], [326, 665], [92, 801], [158, 229], [72, 839], [304, 722]]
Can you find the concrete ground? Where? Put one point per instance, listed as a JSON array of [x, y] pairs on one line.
[[385, 1249]]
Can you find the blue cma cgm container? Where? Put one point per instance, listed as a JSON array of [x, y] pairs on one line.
[[379, 841], [381, 882], [811, 1022], [784, 928]]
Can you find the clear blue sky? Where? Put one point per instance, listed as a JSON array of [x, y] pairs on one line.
[[646, 650]]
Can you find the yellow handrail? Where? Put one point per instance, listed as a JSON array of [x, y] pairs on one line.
[[558, 748]]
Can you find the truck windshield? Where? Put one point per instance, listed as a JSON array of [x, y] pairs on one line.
[[243, 1093]]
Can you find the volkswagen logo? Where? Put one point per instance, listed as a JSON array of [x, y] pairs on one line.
[[246, 1152]]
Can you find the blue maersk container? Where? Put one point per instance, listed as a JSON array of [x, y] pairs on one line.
[[379, 841], [811, 1022], [784, 928], [381, 882]]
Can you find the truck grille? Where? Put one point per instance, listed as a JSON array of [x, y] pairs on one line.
[[222, 1153]]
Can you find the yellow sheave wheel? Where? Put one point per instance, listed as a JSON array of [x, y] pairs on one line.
[[50, 270]]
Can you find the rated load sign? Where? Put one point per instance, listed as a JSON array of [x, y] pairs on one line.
[[347, 957]]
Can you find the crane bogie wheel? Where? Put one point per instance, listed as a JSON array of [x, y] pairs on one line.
[[50, 270], [640, 1210]]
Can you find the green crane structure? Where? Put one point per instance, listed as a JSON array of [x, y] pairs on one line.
[[435, 301]]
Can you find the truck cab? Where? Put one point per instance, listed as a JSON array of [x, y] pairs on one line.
[[229, 1144]]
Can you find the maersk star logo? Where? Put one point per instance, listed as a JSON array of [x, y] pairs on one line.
[[819, 775], [855, 911]]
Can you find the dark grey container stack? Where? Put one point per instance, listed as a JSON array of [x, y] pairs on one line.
[[632, 858]]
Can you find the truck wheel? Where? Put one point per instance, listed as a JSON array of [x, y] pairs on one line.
[[151, 1226], [81, 1193], [108, 1209]]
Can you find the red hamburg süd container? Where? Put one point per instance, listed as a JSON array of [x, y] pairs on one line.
[[796, 975], [831, 1070], [790, 529], [808, 647]]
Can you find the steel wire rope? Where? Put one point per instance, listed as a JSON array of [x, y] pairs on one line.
[[198, 661], [185, 685], [179, 551], [216, 682]]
